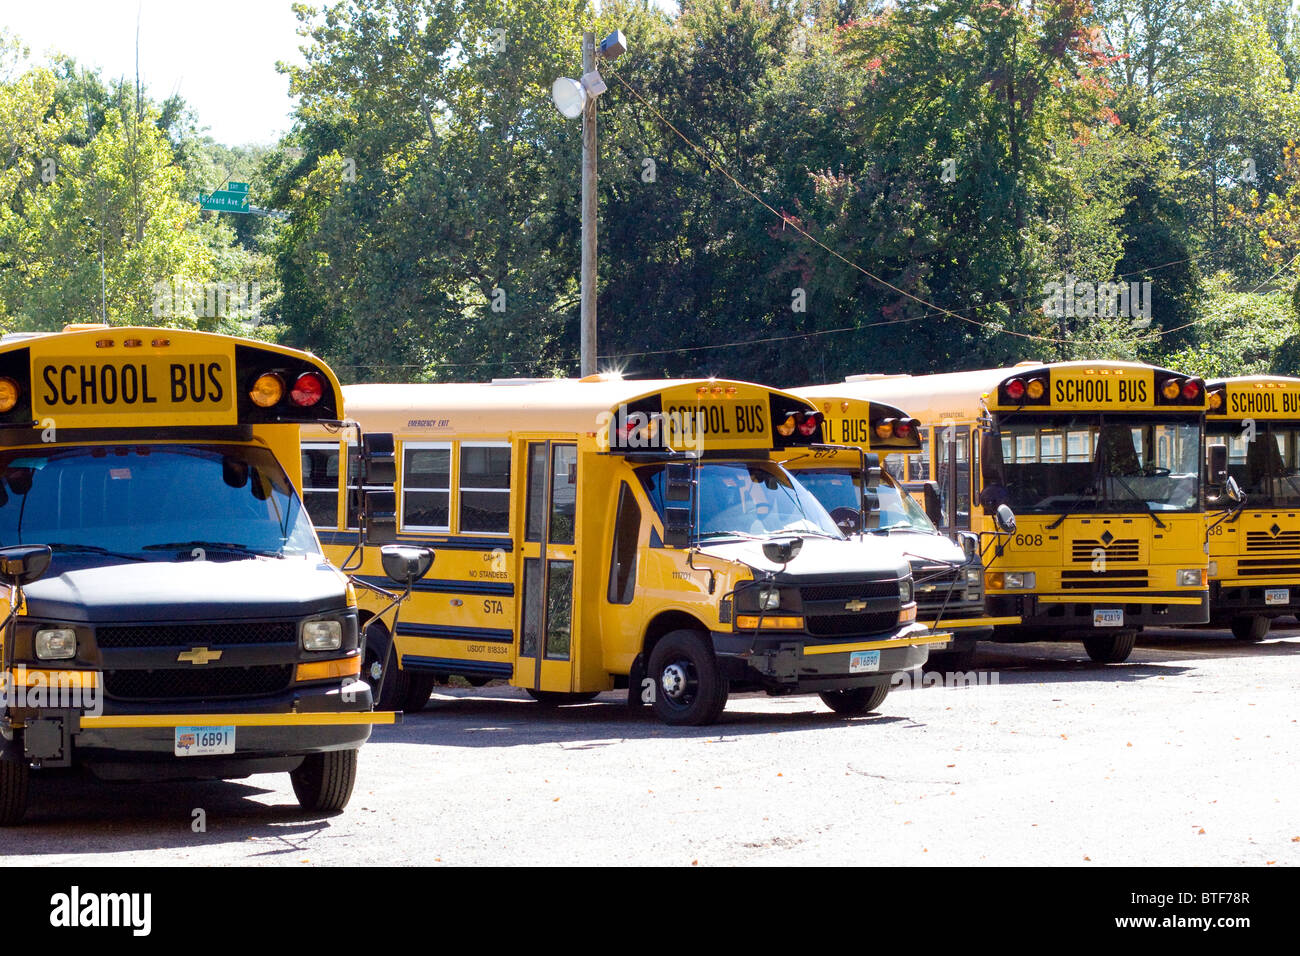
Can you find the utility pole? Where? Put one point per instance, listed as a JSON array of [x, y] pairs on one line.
[[588, 307]]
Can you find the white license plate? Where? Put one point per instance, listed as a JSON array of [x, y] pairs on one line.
[[860, 661], [1108, 617], [1277, 595], [203, 741]]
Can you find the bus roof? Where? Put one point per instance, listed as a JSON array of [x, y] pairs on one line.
[[567, 406], [1253, 396], [957, 396]]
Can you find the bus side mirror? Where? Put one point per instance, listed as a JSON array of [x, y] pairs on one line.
[[1005, 519], [1216, 464], [933, 504], [870, 510], [405, 565], [677, 527], [970, 546], [378, 459], [379, 511], [21, 564], [377, 476], [871, 471], [679, 482], [1233, 490]]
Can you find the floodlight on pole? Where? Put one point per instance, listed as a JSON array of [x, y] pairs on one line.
[[569, 97]]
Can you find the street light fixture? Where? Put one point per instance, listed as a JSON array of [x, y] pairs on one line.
[[574, 98]]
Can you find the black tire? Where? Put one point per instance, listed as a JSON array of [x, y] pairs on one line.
[[323, 782], [1251, 628], [556, 698], [689, 689], [418, 688], [391, 686], [14, 778], [478, 681], [857, 700], [1111, 648]]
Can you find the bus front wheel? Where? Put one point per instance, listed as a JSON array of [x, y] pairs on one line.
[[857, 700], [1250, 628], [389, 684], [419, 687], [323, 782], [1111, 648], [14, 777], [689, 689]]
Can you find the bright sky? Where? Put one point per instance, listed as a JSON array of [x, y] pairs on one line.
[[219, 56]]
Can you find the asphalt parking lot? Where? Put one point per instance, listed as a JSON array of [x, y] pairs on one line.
[[1184, 755]]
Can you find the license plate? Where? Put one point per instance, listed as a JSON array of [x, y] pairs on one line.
[[861, 661], [203, 741], [1108, 617], [1277, 595]]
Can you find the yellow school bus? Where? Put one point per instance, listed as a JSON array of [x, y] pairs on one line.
[[1255, 551], [1100, 462], [948, 575], [169, 612], [603, 533]]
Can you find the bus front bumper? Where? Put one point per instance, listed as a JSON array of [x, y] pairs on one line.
[[155, 744], [1069, 614], [797, 663], [1229, 599]]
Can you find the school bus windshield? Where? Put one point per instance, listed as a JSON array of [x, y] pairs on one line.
[[153, 501], [1267, 464], [1105, 462], [748, 499], [842, 488]]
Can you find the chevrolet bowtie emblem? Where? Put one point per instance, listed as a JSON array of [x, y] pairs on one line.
[[855, 605], [199, 655]]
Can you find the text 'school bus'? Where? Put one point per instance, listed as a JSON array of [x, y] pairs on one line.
[[949, 579], [1255, 552], [1101, 463], [605, 533], [185, 622]]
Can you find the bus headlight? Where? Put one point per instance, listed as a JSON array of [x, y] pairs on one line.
[[56, 643], [1191, 578], [1020, 580], [323, 635], [769, 599], [1214, 569], [974, 577], [905, 591]]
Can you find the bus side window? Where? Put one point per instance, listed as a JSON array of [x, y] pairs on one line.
[[426, 486], [627, 531], [484, 488], [320, 483]]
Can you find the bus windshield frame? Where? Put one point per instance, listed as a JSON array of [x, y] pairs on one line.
[[1068, 462], [842, 488]]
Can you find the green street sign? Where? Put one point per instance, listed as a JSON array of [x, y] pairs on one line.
[[236, 187], [222, 201]]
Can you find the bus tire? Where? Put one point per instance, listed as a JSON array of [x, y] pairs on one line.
[[855, 700], [323, 782], [390, 688], [14, 778], [555, 698], [1250, 628], [419, 687], [1110, 648], [689, 689]]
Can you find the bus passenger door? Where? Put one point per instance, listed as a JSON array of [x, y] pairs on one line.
[[547, 638], [953, 474]]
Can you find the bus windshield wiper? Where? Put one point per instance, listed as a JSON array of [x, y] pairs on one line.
[[1134, 499], [1073, 509], [212, 546], [90, 549]]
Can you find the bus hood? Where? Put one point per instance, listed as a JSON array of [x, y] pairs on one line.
[[188, 591], [917, 547], [819, 557]]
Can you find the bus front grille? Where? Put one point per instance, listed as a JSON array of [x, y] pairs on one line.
[[838, 625], [208, 683], [1266, 567], [1119, 549], [1267, 542], [860, 590], [1087, 580], [208, 634]]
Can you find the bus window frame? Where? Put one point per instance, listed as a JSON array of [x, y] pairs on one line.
[[457, 519], [450, 489]]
